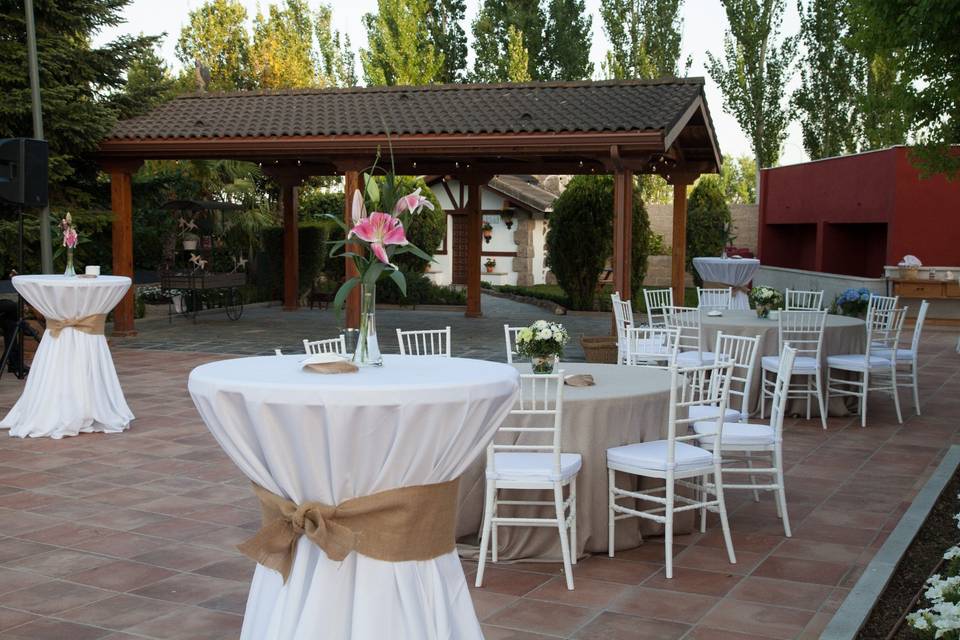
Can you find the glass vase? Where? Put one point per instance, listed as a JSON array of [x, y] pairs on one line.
[[69, 271], [763, 311], [543, 364], [367, 353]]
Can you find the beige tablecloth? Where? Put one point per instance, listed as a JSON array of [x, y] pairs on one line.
[[627, 405], [841, 335]]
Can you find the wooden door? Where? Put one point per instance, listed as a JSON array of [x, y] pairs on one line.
[[458, 259]]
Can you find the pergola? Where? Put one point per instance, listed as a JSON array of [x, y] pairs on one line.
[[470, 132]]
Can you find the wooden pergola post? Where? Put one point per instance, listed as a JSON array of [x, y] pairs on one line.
[[291, 244], [623, 231], [121, 203], [678, 261], [351, 182], [474, 230]]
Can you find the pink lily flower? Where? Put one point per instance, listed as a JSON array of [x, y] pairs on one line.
[[411, 203], [359, 210], [70, 238], [379, 230]]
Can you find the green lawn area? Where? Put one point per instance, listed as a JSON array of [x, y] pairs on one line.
[[555, 293]]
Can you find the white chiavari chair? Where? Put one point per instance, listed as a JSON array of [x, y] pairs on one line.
[[532, 466], [714, 299], [692, 351], [802, 330], [428, 342], [651, 346], [622, 318], [657, 302], [909, 357], [882, 303], [804, 300], [336, 345], [870, 372], [510, 337], [675, 460], [741, 438], [742, 353]]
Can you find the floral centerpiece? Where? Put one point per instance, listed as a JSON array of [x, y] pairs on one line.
[[764, 299], [381, 236], [70, 239], [852, 302], [543, 343]]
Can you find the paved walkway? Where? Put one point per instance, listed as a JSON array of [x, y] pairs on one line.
[[261, 329]]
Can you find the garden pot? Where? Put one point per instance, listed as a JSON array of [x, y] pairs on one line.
[[490, 269], [189, 245]]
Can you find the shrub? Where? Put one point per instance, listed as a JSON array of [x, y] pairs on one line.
[[312, 238], [426, 229], [420, 290], [708, 222], [580, 237]]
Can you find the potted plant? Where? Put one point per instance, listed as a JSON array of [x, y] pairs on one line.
[[190, 241], [490, 264], [543, 343], [487, 229], [764, 299], [507, 216], [852, 302]]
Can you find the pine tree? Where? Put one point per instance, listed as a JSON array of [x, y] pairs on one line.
[[566, 41], [444, 19], [282, 54], [830, 82], [83, 88], [518, 63], [645, 38], [400, 50], [215, 44], [754, 73], [490, 38]]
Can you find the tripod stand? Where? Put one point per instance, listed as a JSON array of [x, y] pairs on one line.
[[22, 327]]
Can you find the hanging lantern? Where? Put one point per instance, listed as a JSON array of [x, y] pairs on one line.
[[487, 232], [507, 216]]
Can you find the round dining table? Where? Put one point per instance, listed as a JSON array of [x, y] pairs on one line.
[[72, 387], [625, 405], [729, 272], [841, 335], [309, 437]]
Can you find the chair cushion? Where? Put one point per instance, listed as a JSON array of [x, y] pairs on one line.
[[705, 412], [691, 359], [856, 362], [736, 433], [903, 355], [801, 364], [653, 455], [533, 466]]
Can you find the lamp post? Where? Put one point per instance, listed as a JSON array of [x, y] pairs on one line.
[[46, 250]]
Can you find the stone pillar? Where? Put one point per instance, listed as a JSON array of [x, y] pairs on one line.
[[523, 238]]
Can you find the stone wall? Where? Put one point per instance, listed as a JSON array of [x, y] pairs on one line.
[[744, 216]]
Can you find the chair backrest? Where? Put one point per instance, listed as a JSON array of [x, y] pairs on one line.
[[802, 330], [883, 330], [803, 300], [708, 386], [657, 301], [710, 299], [652, 346], [687, 321], [622, 313], [510, 336], [918, 327], [332, 345], [882, 303], [539, 407], [778, 408], [742, 353], [428, 342]]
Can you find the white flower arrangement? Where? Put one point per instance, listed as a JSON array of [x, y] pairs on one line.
[[942, 618], [542, 339], [766, 297]]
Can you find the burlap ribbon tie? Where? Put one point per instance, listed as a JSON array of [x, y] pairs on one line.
[[723, 285], [399, 525], [92, 324]]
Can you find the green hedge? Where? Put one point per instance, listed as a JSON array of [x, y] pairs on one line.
[[312, 238], [420, 290], [708, 222], [550, 292]]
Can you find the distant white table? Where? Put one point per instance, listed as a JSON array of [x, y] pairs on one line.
[[72, 387], [733, 272]]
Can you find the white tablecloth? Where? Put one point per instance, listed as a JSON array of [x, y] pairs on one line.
[[329, 438], [736, 272], [72, 387]]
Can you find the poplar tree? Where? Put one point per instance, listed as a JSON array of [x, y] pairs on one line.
[[400, 51], [215, 46], [566, 41], [518, 63], [282, 55], [645, 38], [490, 38], [444, 19]]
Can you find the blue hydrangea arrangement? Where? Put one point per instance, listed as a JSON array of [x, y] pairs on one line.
[[852, 302]]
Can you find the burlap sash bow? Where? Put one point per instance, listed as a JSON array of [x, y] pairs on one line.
[[409, 523], [723, 285], [92, 324]]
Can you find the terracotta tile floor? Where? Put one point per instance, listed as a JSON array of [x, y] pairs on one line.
[[131, 536]]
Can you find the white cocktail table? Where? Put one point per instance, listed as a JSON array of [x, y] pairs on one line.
[[732, 272], [307, 437], [72, 387]]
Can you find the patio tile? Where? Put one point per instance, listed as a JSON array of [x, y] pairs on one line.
[[11, 580], [764, 620], [486, 603], [588, 593], [119, 612], [240, 569], [121, 544], [121, 575], [542, 617], [189, 588], [10, 618], [53, 597], [499, 633], [665, 605], [614, 570], [47, 629], [515, 583], [60, 562], [182, 557], [12, 549], [190, 623], [715, 559], [615, 626], [707, 583], [797, 595], [799, 570]]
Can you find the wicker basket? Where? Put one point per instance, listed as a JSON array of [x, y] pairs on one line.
[[909, 273], [599, 349]]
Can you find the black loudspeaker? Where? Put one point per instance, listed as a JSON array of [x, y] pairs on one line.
[[23, 171]]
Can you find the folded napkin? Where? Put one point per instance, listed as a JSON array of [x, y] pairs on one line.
[[329, 363], [579, 380]]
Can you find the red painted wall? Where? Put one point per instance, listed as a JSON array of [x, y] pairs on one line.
[[854, 214]]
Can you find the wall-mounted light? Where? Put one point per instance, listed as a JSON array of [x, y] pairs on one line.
[[487, 230], [506, 215]]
